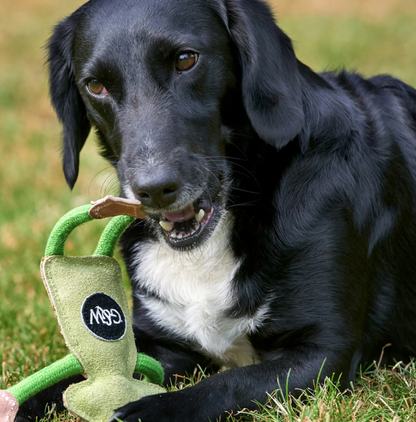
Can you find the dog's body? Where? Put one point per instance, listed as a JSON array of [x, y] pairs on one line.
[[305, 249]]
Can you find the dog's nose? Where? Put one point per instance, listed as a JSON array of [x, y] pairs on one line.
[[157, 190]]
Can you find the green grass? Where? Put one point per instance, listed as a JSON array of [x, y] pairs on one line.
[[34, 194], [380, 395]]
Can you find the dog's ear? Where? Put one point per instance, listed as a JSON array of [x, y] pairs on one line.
[[66, 98], [271, 83]]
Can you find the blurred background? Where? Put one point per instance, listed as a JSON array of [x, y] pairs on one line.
[[370, 36]]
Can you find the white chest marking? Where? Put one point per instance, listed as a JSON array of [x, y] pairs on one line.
[[195, 288]]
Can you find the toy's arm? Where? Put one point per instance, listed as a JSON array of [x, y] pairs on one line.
[[69, 366], [57, 371], [46, 377], [150, 368]]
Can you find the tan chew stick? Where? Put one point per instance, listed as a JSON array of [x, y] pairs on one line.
[[111, 206]]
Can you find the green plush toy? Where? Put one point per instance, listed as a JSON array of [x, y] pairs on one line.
[[90, 304]]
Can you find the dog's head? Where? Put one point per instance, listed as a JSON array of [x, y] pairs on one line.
[[165, 84]]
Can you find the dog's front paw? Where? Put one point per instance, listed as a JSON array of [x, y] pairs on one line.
[[160, 408]]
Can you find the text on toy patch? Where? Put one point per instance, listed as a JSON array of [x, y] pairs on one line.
[[103, 317]]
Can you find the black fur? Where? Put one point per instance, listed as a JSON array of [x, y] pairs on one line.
[[318, 172]]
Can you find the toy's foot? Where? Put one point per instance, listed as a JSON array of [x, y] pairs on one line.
[[94, 400]]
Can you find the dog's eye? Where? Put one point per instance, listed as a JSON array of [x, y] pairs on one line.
[[96, 87], [186, 61]]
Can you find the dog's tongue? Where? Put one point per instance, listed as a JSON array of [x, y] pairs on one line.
[[182, 215]]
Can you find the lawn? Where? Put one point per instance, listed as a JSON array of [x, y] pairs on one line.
[[371, 37]]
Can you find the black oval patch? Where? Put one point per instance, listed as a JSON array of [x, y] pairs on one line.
[[103, 317]]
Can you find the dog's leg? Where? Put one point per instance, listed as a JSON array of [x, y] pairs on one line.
[[232, 390], [178, 359]]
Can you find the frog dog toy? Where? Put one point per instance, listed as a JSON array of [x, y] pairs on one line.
[[89, 301]]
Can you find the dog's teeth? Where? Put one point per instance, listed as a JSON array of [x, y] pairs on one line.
[[200, 215], [166, 225], [180, 235], [192, 231], [174, 235]]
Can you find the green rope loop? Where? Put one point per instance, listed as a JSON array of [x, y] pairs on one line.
[[46, 377], [64, 227], [75, 218], [70, 366], [113, 230], [150, 368]]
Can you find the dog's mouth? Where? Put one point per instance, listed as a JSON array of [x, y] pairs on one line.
[[185, 227]]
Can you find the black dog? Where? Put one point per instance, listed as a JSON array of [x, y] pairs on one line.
[[281, 236]]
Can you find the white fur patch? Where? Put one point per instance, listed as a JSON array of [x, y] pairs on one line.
[[195, 288]]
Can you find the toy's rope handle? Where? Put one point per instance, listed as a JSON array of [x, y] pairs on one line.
[[70, 366], [112, 232], [57, 371], [150, 368], [75, 218]]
